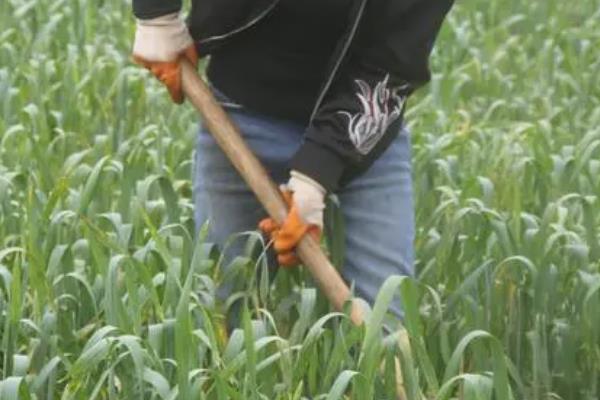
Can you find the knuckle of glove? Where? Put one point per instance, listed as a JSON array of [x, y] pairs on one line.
[[268, 226], [291, 232]]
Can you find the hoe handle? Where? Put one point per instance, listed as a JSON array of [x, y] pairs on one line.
[[229, 139]]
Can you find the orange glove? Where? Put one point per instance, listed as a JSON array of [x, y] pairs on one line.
[[305, 199], [159, 45]]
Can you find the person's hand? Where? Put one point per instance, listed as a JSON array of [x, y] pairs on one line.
[[306, 201], [159, 45]]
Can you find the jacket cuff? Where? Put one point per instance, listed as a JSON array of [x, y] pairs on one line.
[[150, 9], [319, 163]]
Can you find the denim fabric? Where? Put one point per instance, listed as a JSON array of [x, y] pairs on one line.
[[377, 207]]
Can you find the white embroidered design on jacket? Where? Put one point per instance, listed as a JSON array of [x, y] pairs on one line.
[[381, 106]]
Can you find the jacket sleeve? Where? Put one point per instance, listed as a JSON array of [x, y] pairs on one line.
[[362, 110], [148, 9]]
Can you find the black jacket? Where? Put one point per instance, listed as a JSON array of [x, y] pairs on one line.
[[378, 63]]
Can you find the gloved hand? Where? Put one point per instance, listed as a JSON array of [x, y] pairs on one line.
[[306, 202], [159, 45]]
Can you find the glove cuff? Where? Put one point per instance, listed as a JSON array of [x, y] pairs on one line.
[[309, 198], [161, 39], [298, 178]]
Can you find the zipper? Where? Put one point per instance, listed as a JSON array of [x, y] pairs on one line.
[[339, 60], [249, 24]]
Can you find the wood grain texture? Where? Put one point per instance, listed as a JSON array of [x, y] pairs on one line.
[[250, 168]]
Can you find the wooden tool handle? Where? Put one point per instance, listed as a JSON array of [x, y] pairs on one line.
[[229, 139]]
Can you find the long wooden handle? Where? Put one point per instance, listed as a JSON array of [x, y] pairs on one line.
[[229, 139]]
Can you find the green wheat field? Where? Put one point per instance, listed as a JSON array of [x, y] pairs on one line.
[[106, 292]]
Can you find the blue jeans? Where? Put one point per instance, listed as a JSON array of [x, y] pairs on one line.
[[377, 207]]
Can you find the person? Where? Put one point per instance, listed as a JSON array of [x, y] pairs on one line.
[[318, 89]]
